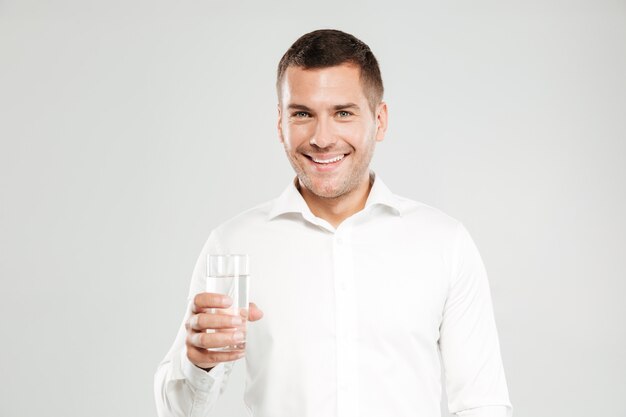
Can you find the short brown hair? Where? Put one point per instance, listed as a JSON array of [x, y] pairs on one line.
[[327, 48]]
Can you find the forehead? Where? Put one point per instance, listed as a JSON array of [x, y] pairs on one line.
[[339, 82]]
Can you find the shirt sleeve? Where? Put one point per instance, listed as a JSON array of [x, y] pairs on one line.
[[470, 351], [180, 387]]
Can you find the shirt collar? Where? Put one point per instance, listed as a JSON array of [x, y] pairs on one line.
[[291, 201]]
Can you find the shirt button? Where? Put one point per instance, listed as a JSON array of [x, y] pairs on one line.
[[339, 241]]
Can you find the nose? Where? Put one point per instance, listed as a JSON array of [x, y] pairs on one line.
[[323, 136]]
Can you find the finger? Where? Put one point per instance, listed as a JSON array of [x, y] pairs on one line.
[[210, 300], [213, 321], [255, 313], [214, 340], [208, 359]]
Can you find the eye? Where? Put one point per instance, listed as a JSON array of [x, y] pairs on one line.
[[300, 114], [343, 113]]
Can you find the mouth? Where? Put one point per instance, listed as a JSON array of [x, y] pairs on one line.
[[326, 162]]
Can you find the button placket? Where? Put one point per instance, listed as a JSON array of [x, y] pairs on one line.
[[347, 377]]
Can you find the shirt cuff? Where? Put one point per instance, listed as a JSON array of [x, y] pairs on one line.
[[198, 378], [490, 411]]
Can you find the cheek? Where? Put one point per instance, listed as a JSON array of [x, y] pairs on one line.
[[295, 135], [352, 133]]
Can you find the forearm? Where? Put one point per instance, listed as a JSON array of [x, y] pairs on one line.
[[183, 389], [470, 351], [173, 395]]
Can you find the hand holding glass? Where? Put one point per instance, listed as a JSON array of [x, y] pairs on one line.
[[229, 275], [216, 328]]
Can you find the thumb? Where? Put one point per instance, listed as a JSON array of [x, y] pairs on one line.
[[254, 313]]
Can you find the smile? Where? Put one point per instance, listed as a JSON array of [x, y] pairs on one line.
[[327, 161]]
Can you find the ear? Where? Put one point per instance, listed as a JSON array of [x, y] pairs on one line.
[[381, 121], [280, 125]]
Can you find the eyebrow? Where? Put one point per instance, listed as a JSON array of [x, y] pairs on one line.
[[295, 106]]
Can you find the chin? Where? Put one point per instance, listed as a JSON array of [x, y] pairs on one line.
[[324, 190], [327, 193]]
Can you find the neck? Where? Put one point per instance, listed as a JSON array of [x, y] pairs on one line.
[[336, 210]]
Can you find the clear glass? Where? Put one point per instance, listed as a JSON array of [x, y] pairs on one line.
[[230, 275]]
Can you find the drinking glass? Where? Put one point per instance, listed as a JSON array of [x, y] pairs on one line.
[[230, 275]]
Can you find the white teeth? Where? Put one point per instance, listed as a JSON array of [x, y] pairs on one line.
[[328, 161]]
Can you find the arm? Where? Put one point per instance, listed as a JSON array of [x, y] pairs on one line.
[[183, 389], [475, 381], [180, 387]]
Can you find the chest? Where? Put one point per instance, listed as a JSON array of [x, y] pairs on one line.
[[317, 287]]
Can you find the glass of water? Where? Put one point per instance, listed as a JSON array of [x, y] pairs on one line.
[[230, 275]]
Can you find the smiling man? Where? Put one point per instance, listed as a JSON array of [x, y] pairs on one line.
[[329, 129], [362, 291]]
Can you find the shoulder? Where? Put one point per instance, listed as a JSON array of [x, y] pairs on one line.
[[417, 212], [245, 222], [412, 213], [432, 227]]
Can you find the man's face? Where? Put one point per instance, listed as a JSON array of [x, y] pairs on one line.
[[327, 128]]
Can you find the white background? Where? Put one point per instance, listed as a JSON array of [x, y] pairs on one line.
[[128, 129]]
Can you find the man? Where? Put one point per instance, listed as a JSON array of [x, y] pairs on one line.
[[361, 289]]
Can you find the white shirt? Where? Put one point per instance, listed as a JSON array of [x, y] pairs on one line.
[[353, 316]]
